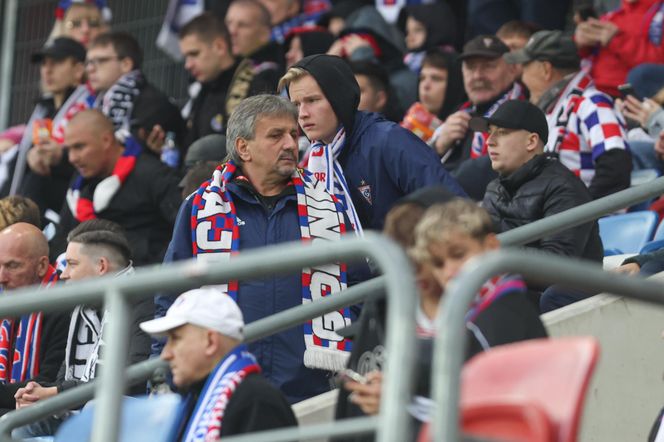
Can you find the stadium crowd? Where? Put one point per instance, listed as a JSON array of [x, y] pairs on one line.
[[441, 123]]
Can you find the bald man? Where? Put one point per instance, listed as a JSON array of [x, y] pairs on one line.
[[119, 183], [32, 347]]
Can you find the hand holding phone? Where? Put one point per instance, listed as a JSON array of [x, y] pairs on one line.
[[347, 374], [627, 90]]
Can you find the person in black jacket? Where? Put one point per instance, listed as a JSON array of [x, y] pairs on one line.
[[212, 368], [96, 248], [24, 262], [532, 186]]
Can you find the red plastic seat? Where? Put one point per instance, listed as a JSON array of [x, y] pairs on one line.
[[529, 391]]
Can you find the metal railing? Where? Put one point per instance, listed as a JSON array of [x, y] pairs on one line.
[[544, 268], [392, 425]]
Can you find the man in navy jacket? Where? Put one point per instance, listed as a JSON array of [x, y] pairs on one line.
[[370, 162]]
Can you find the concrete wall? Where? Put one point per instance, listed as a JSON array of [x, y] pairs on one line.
[[627, 390]]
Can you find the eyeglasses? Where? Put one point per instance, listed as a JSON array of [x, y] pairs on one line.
[[77, 23], [96, 62]]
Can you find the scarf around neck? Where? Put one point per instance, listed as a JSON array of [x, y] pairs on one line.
[[324, 165], [118, 101], [85, 204], [216, 237], [20, 342]]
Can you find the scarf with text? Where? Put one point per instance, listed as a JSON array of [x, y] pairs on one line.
[[20, 341], [86, 205], [493, 289], [478, 147], [324, 165], [208, 415], [118, 101], [216, 237]]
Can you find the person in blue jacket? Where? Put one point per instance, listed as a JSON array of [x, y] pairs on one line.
[[255, 200], [366, 160]]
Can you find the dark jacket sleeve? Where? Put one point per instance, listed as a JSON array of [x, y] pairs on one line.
[[613, 171], [59, 242], [255, 406], [641, 260]]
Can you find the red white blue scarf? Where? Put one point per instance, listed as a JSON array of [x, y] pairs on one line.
[[86, 207], [82, 98], [19, 346], [324, 165], [492, 290], [216, 237], [208, 416]]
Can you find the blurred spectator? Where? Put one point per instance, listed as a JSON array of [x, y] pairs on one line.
[[258, 198], [287, 15], [249, 24], [585, 132], [486, 16], [335, 19], [203, 156], [620, 41], [532, 186], [647, 79], [18, 209], [440, 91], [427, 27], [367, 37], [375, 91], [304, 41], [515, 34], [96, 248], [82, 20], [646, 154], [32, 347], [118, 183], [488, 81], [124, 95], [215, 371], [375, 161]]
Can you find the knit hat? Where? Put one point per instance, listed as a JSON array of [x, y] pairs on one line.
[[337, 81]]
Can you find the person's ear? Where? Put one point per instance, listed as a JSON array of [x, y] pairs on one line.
[[547, 70], [126, 65], [79, 72], [42, 266], [212, 343], [491, 242], [533, 142], [103, 266], [381, 100], [242, 148], [219, 46]]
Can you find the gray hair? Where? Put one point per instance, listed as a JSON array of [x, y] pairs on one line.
[[242, 122]]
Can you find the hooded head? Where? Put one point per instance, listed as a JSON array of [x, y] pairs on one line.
[[337, 81]]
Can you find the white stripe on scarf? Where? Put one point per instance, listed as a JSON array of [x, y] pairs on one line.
[[324, 164]]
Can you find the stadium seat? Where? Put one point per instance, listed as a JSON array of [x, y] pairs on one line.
[[530, 391], [627, 232], [143, 419]]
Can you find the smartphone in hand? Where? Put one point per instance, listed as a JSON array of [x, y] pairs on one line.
[[627, 89], [347, 374]]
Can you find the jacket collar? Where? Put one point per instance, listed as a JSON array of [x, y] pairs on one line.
[[523, 174]]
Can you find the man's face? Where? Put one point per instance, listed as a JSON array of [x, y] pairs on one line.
[[79, 264], [19, 267], [273, 152], [508, 149], [371, 99], [104, 67], [432, 88], [280, 10], [88, 151], [201, 58], [447, 257], [315, 114], [247, 32], [59, 75], [534, 79], [515, 42], [485, 78], [185, 353], [416, 34], [295, 52]]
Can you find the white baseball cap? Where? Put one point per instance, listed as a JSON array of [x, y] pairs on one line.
[[207, 307]]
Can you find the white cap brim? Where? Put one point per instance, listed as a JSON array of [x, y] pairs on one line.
[[161, 326]]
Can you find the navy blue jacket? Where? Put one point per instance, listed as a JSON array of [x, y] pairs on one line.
[[383, 162], [280, 355]]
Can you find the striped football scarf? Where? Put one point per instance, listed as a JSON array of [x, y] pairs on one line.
[[216, 237], [493, 289], [324, 164], [20, 342], [85, 208], [208, 415]]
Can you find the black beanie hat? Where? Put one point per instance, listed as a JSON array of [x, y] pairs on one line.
[[337, 81]]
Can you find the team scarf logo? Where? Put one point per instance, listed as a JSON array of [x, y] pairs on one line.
[[216, 237], [207, 419], [85, 208], [324, 165], [478, 147], [20, 361], [492, 290]]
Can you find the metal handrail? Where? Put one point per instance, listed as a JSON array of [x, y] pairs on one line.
[[393, 425], [582, 214], [141, 371], [541, 267]]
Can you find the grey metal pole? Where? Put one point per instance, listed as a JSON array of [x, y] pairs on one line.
[[544, 268], [8, 54], [581, 214], [106, 423]]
